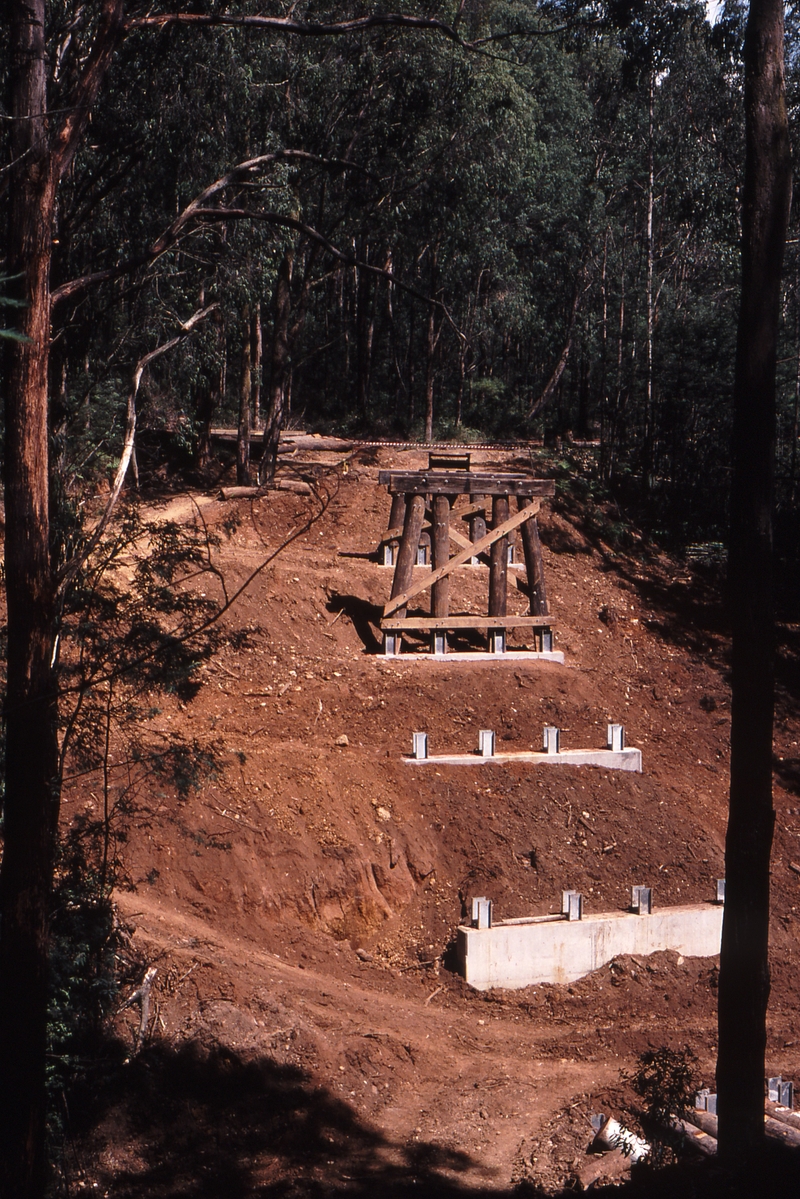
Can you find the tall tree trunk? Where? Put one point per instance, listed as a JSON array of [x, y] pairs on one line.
[[245, 389], [365, 332], [31, 795], [204, 410], [744, 966], [430, 347], [258, 354], [431, 342], [210, 395], [40, 153], [411, 370], [647, 448], [278, 363], [604, 352]]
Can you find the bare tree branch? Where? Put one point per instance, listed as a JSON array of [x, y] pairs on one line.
[[73, 566], [109, 34], [236, 175], [299, 28]]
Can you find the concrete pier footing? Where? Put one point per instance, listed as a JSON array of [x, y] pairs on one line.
[[554, 949], [624, 759], [461, 657]]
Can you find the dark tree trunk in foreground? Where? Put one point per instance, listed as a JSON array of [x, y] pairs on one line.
[[31, 799], [41, 147], [744, 969], [39, 155]]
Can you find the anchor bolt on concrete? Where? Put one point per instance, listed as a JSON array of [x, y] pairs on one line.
[[551, 739], [419, 745], [481, 912], [486, 743]]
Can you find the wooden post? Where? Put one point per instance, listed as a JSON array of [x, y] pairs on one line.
[[477, 523], [396, 517], [407, 554], [440, 597], [397, 514], [534, 566], [498, 562]]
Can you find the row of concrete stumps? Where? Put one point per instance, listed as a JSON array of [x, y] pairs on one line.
[[572, 905], [615, 756]]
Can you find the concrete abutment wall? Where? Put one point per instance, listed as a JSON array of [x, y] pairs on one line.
[[551, 949]]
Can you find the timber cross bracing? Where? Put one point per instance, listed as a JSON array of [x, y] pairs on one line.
[[472, 550], [417, 495]]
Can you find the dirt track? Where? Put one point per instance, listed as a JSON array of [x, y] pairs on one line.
[[310, 1034]]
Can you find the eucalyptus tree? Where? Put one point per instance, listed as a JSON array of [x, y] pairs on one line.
[[744, 963]]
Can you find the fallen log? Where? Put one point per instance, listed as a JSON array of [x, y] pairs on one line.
[[244, 493], [289, 442], [704, 1141], [603, 1168], [779, 1131], [308, 442], [776, 1129], [784, 1114]]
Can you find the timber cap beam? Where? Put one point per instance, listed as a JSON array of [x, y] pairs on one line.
[[425, 623], [451, 482]]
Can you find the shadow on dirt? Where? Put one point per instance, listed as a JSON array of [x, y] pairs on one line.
[[208, 1124], [201, 1122], [788, 771], [686, 604], [366, 617]]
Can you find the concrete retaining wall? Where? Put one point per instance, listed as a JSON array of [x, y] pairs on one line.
[[550, 949]]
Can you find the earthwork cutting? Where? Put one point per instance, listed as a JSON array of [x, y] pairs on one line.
[[311, 903]]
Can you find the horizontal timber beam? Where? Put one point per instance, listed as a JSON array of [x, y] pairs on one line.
[[466, 622], [453, 482]]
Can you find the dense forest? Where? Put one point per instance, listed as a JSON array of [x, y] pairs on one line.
[[532, 232]]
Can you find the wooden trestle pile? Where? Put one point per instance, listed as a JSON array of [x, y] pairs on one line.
[[430, 494]]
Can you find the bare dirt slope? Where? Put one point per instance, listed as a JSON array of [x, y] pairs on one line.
[[310, 1036]]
